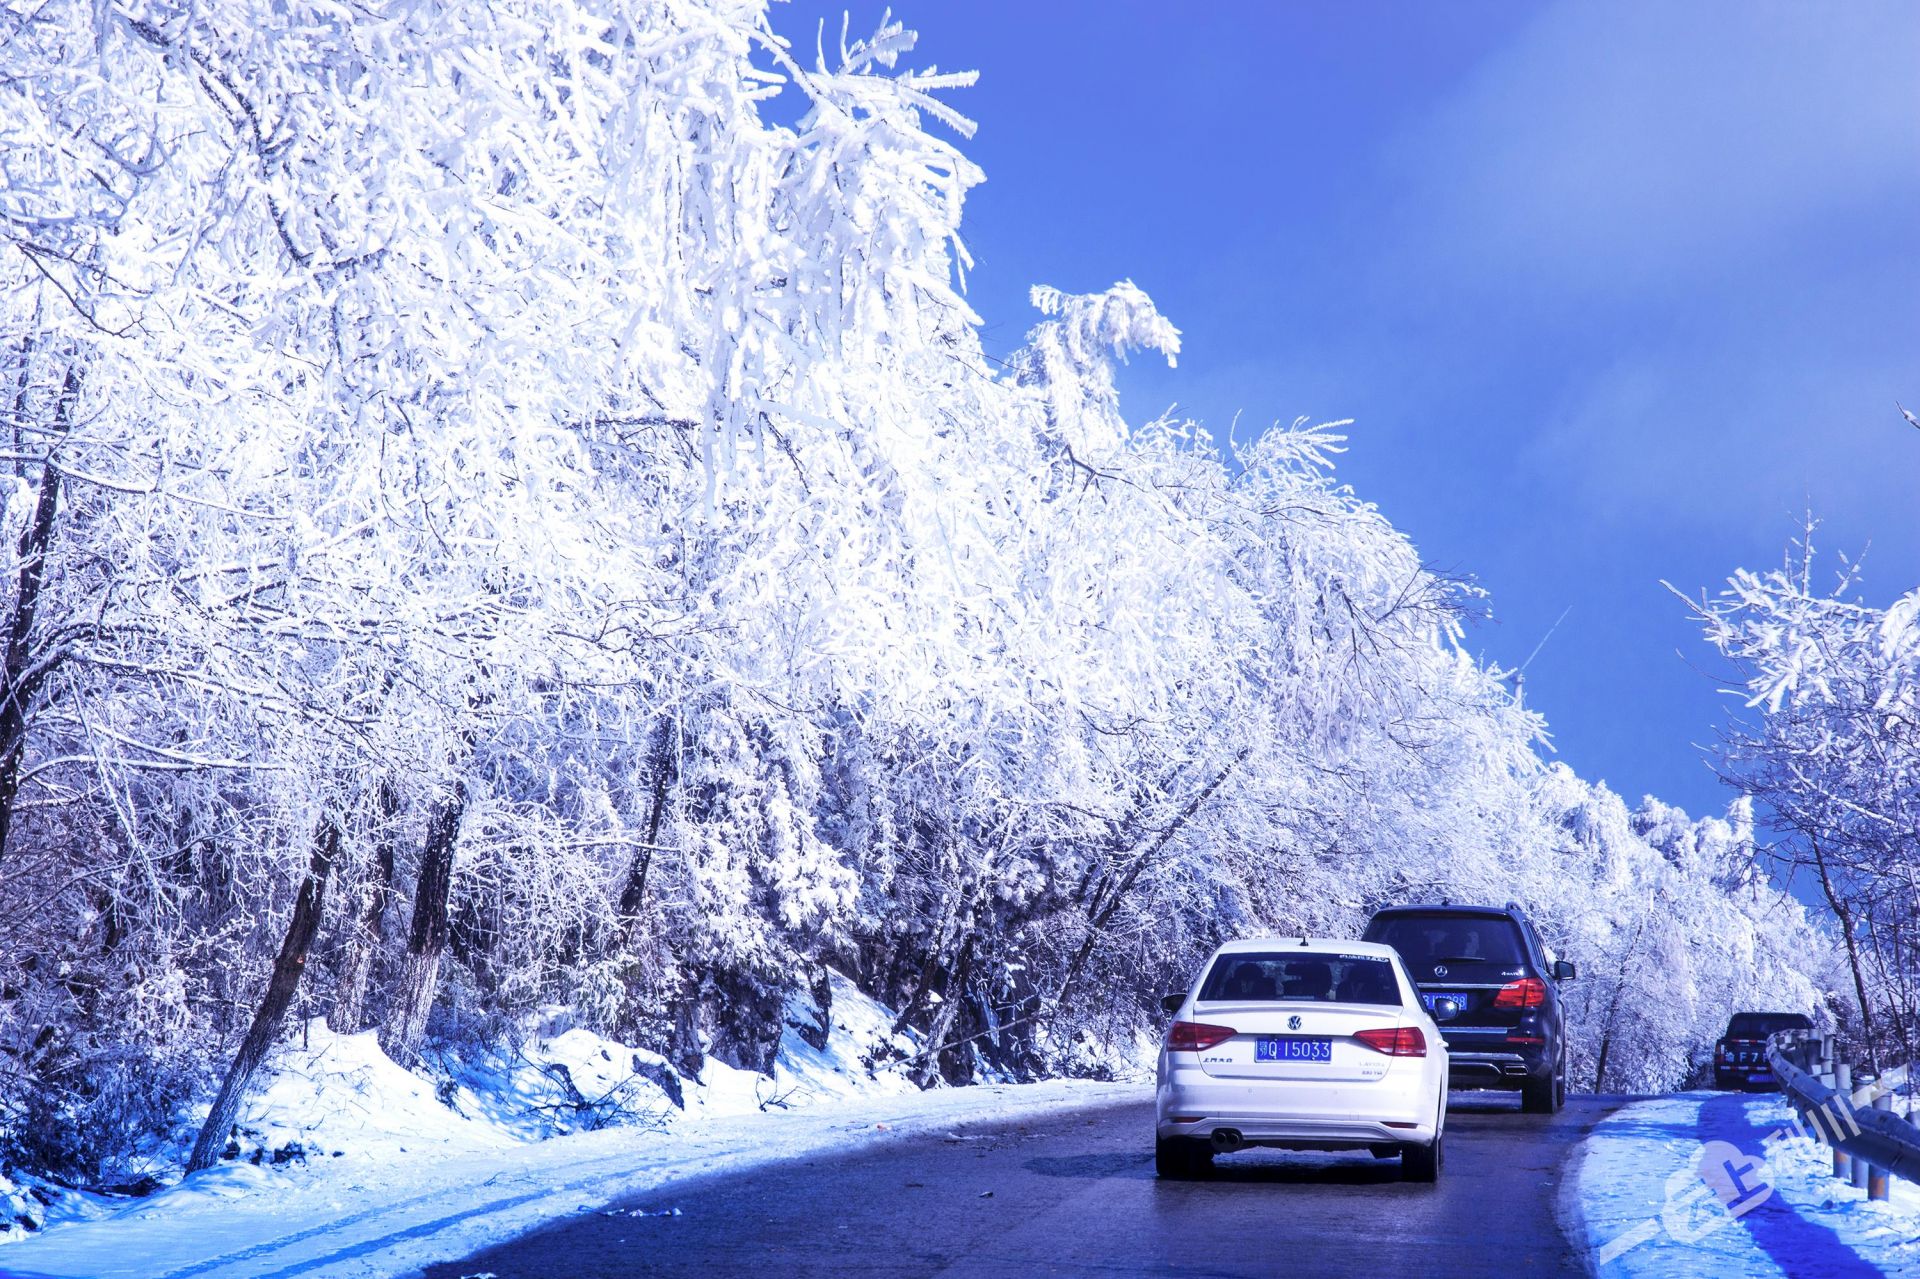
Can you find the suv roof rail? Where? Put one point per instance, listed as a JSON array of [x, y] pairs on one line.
[[1515, 908]]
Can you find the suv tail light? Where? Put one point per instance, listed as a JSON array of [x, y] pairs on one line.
[[1400, 1041], [1196, 1036], [1528, 992], [1721, 1052]]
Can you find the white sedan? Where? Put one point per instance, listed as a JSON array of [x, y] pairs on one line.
[[1303, 1044]]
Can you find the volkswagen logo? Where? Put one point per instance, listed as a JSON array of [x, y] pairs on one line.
[[1293, 1022], [1439, 970]]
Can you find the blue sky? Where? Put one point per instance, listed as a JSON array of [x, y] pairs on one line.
[[1614, 292]]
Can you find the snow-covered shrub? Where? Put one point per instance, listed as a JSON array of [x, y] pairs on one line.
[[105, 1121], [22, 1210]]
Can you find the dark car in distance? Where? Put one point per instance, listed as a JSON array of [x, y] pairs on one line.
[[1488, 982], [1740, 1056]]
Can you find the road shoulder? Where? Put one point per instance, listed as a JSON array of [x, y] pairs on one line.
[[434, 1210], [1720, 1183]]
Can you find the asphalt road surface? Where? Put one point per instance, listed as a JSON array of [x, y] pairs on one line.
[[1076, 1195]]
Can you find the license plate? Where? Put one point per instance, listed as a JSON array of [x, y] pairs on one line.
[[1430, 997], [1292, 1048]]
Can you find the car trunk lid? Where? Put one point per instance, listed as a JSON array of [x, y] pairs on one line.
[[1473, 984], [1298, 1033]]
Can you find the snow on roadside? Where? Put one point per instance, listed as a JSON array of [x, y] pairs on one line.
[[340, 1097], [1885, 1235], [1647, 1212], [392, 1220], [351, 1166], [22, 1213], [1637, 1193]]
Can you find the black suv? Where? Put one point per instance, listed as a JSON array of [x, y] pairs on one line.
[[1740, 1058], [1484, 976]]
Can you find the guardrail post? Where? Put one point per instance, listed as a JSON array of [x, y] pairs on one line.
[[1877, 1179], [1842, 1084], [1822, 1075], [1836, 1107], [1862, 1171]]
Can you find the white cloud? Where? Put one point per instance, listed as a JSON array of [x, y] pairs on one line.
[[1612, 146]]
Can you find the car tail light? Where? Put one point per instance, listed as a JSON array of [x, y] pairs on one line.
[[1528, 992], [1721, 1052], [1196, 1036], [1401, 1041]]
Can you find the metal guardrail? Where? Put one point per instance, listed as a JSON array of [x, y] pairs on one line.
[[1847, 1121]]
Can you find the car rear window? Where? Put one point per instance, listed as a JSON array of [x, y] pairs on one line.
[[1423, 940], [1760, 1025], [1293, 977]]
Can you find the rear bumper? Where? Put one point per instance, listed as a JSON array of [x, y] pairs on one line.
[[1498, 1056], [1403, 1107], [1302, 1134], [1495, 1069]]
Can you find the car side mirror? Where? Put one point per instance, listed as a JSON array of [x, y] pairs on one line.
[[1446, 1009], [1563, 970], [1171, 1003]]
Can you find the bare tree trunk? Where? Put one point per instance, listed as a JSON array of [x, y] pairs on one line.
[[25, 671], [292, 961], [1843, 910], [687, 1049], [928, 1071], [1613, 1006], [1897, 1010], [1101, 909], [348, 1016], [406, 1021], [956, 922], [633, 894]]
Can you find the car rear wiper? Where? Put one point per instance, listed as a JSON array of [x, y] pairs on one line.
[[1467, 959]]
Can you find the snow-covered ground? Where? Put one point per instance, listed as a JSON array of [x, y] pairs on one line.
[[1648, 1212], [395, 1170]]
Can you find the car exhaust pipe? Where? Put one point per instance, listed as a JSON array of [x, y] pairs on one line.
[[1227, 1140]]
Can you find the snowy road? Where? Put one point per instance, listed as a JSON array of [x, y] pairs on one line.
[[389, 1219], [1075, 1194]]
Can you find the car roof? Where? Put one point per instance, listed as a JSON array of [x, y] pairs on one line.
[[1294, 941], [1445, 908]]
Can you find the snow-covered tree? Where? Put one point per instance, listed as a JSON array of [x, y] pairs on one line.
[[1829, 750], [499, 518]]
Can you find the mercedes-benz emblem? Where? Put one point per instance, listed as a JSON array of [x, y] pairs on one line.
[[1439, 970], [1293, 1022]]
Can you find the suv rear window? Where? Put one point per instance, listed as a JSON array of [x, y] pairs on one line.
[[1760, 1025], [1424, 940], [1293, 977]]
